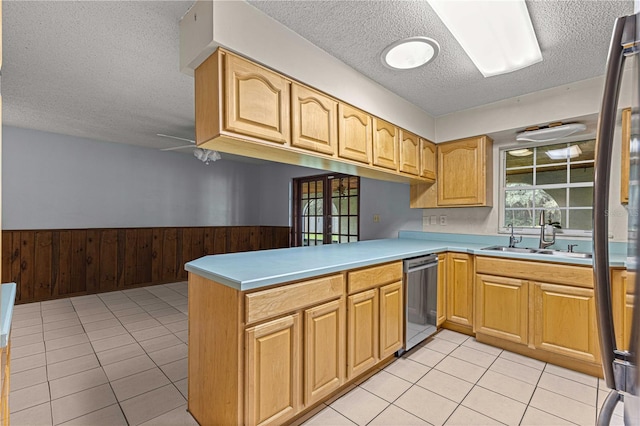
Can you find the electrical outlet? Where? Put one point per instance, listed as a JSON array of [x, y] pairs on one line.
[[443, 220], [376, 218], [433, 220]]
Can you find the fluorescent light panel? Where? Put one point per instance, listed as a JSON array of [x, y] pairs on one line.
[[562, 154], [498, 36]]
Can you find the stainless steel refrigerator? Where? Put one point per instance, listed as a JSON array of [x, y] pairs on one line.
[[620, 367]]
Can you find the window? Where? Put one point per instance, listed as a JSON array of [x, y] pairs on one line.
[[556, 179], [326, 209]]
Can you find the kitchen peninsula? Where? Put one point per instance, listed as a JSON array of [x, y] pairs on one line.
[[282, 330]]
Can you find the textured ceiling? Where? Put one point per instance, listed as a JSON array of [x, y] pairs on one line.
[[109, 70]]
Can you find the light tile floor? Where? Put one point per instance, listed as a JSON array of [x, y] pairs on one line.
[[121, 358]]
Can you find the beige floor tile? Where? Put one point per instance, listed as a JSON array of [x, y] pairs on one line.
[[27, 363], [72, 366], [17, 342], [445, 385], [27, 322], [568, 388], [62, 317], [128, 311], [77, 382], [176, 417], [536, 417], [461, 369], [39, 415], [175, 327], [130, 319], [571, 375], [106, 333], [130, 366], [27, 307], [63, 332], [53, 304], [150, 333], [183, 387], [440, 345], [28, 397], [27, 350], [90, 312], [183, 335], [328, 416], [120, 353], [386, 386], [46, 313], [139, 383], [473, 356], [176, 370], [52, 345], [563, 407], [602, 395], [152, 404], [516, 370], [359, 406], [426, 405], [165, 356], [617, 421], [507, 386], [521, 359], [25, 331], [69, 353], [474, 344], [602, 385], [96, 317], [49, 326], [496, 406], [81, 403], [452, 336], [464, 416], [168, 319], [396, 416], [156, 306], [27, 378], [425, 356], [142, 325], [101, 325], [112, 342], [164, 312], [120, 305]]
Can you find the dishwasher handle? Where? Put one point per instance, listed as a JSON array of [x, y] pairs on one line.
[[418, 266]]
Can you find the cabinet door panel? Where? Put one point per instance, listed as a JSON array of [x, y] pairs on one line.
[[273, 371], [442, 288], [324, 350], [355, 134], [391, 319], [460, 289], [501, 308], [409, 153], [362, 332], [565, 321], [427, 159], [314, 119], [257, 101], [385, 144]]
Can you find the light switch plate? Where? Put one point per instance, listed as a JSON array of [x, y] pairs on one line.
[[443, 220]]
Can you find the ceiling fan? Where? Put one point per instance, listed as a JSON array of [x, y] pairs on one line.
[[202, 154]]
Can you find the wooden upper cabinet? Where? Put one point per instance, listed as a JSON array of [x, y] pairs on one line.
[[409, 153], [257, 101], [385, 144], [355, 134], [502, 307], [314, 120], [427, 159], [464, 172], [625, 155]]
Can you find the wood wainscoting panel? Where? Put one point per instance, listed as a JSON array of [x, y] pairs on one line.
[[52, 263]]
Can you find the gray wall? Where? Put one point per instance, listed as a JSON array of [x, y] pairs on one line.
[[52, 181]]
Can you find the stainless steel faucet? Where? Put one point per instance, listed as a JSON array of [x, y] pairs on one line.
[[512, 239], [544, 242]]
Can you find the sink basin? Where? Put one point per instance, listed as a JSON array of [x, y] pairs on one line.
[[511, 249], [539, 251]]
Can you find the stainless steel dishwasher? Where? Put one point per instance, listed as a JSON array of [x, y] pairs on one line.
[[421, 299]]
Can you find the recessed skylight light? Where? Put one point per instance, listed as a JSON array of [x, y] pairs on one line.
[[410, 53], [520, 152]]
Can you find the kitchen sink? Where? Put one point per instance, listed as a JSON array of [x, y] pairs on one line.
[[539, 251]]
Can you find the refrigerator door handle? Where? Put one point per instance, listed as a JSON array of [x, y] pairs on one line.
[[604, 143]]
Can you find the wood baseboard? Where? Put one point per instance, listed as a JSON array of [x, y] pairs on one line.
[[464, 329]]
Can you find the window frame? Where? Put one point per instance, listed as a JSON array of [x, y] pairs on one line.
[[502, 169]]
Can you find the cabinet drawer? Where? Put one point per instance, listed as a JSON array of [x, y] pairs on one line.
[[374, 276], [579, 276], [280, 300]]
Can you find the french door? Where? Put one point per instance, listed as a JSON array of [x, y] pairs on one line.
[[326, 209]]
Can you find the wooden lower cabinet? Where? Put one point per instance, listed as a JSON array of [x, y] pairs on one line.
[[564, 321], [501, 307], [391, 319], [623, 301], [442, 289], [459, 289], [273, 392], [362, 332], [324, 350]]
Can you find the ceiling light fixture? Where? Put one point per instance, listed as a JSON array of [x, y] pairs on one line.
[[410, 53], [206, 155], [498, 36], [550, 133], [520, 152], [562, 154]]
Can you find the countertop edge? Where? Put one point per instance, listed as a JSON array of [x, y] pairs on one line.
[[8, 301]]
